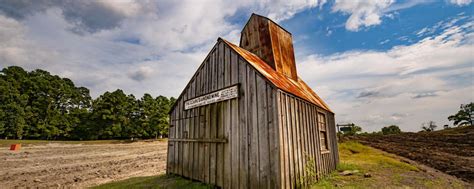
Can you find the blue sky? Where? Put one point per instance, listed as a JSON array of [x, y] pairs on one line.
[[375, 62], [400, 27]]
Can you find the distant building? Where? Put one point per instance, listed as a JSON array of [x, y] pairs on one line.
[[246, 120]]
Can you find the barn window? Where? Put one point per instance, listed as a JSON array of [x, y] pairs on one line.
[[323, 135]]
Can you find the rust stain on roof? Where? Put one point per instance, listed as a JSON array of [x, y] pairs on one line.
[[298, 88]]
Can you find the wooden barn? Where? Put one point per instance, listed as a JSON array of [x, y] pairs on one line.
[[246, 120]]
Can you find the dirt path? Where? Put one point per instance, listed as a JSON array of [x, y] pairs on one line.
[[79, 166]]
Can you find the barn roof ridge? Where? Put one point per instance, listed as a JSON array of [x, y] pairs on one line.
[[298, 88]]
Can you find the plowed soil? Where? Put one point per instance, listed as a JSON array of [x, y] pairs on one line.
[[79, 165], [450, 151]]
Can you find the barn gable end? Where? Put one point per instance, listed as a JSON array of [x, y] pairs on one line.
[[227, 143]]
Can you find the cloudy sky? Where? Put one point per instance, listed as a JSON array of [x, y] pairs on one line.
[[375, 63]]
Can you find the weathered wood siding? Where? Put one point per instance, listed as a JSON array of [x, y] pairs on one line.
[[230, 144], [302, 160]]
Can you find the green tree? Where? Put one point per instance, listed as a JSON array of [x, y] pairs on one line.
[[392, 129], [2, 122], [165, 105], [113, 114], [464, 116], [12, 108], [131, 128], [38, 105], [148, 119], [52, 101]]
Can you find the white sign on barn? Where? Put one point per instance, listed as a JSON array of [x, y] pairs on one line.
[[220, 95]]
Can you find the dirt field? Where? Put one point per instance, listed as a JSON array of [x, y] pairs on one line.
[[79, 165], [450, 151]]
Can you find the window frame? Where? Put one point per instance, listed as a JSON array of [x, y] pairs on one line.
[[322, 119]]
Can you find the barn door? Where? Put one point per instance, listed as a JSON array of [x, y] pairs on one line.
[[211, 143], [201, 144]]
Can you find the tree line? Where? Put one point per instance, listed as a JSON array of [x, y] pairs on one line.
[[38, 105], [464, 117]]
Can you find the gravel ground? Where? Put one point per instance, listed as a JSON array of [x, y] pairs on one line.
[[79, 165]]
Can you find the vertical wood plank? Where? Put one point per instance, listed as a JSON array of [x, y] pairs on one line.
[[197, 126], [188, 134], [192, 130], [304, 153], [290, 142], [179, 132], [294, 142], [235, 129], [262, 133], [177, 149], [207, 132], [243, 108], [304, 143], [253, 130], [226, 171], [273, 137], [283, 141], [310, 139], [202, 123], [185, 151], [213, 118], [221, 111], [298, 142]]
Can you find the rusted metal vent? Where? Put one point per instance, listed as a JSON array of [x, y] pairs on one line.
[[271, 43]]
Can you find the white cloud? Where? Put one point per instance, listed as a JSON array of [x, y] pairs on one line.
[[16, 49], [126, 7], [281, 10], [460, 2], [105, 45], [424, 81], [362, 13], [366, 13]]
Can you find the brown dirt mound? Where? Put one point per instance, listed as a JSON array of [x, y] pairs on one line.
[[450, 151]]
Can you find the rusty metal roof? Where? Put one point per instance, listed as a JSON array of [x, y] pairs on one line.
[[298, 88]]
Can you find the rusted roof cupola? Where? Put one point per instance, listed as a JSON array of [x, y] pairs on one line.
[[271, 43]]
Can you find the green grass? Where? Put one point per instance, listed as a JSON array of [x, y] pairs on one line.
[[385, 169], [363, 156], [347, 166], [161, 181]]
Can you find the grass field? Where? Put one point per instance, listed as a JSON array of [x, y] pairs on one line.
[[386, 171]]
